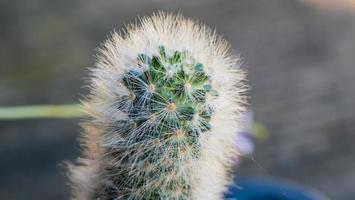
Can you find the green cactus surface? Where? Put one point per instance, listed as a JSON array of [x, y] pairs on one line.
[[167, 109]]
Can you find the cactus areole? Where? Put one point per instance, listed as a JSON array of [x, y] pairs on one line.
[[165, 104]]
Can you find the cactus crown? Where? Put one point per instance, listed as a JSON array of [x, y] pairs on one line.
[[168, 94]]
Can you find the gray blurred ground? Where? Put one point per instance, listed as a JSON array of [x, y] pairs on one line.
[[301, 68]]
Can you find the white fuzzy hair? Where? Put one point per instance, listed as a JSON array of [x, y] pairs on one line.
[[210, 173]]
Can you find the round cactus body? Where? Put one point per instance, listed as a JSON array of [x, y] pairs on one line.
[[165, 104]]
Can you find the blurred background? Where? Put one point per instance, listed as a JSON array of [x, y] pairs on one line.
[[300, 57]]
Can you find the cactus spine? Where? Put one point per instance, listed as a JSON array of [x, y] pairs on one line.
[[165, 104]]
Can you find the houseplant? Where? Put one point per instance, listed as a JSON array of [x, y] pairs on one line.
[[165, 105]]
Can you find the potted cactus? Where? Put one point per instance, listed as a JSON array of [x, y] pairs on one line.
[[165, 102]]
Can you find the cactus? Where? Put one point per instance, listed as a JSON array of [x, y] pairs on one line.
[[164, 108]]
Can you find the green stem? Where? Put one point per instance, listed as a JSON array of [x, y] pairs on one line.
[[41, 111]]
